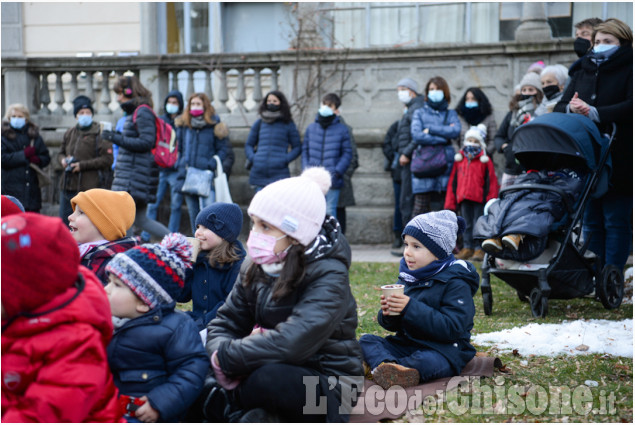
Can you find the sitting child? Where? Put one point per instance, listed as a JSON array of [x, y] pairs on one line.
[[517, 224], [472, 183], [217, 265], [55, 328], [435, 313], [156, 354], [99, 224]]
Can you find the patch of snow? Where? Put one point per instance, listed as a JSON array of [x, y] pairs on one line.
[[601, 336]]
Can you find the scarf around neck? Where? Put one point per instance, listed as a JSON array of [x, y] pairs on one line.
[[270, 117], [439, 106], [412, 277], [198, 122]]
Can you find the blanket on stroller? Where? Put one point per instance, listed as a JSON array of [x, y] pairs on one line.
[[529, 212]]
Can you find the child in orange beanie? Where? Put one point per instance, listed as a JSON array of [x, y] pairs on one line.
[[56, 324], [99, 224]]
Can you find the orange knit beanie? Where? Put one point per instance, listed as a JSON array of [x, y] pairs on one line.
[[111, 212]]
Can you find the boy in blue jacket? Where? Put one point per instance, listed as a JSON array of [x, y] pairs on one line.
[[435, 313], [156, 355], [327, 143]]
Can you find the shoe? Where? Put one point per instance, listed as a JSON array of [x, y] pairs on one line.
[[464, 254], [478, 256], [397, 252], [512, 241], [388, 374], [492, 245], [398, 241]]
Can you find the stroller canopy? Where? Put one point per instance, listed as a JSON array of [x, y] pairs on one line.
[[557, 140]]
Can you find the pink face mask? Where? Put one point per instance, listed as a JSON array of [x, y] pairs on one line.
[[261, 248], [196, 112]]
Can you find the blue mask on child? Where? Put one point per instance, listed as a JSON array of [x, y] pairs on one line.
[[435, 95], [84, 120], [471, 151], [471, 104], [18, 123], [325, 111]]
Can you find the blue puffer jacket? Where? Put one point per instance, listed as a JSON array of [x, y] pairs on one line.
[[439, 315], [438, 133], [328, 147], [197, 149], [267, 147], [161, 355], [209, 286]]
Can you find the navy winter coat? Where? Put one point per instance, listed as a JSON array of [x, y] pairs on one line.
[[267, 147], [135, 169], [160, 355], [197, 149], [209, 286], [439, 315], [328, 147]]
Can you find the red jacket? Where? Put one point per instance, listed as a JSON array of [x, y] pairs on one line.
[[471, 180], [54, 365]]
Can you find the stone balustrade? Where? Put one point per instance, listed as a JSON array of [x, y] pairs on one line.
[[365, 78]]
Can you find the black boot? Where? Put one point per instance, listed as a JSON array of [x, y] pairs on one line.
[[398, 241]]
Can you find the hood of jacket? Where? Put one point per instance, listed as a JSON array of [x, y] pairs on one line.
[[330, 242], [179, 98]]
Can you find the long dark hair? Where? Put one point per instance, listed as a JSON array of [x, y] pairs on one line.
[[484, 106], [285, 109], [290, 277]]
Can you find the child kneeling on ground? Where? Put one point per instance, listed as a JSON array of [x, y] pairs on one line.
[[156, 354], [435, 313]]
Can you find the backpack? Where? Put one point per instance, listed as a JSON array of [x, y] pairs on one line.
[[165, 150]]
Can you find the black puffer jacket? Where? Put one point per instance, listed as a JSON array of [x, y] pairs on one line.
[[404, 137], [18, 179], [135, 170], [313, 327]]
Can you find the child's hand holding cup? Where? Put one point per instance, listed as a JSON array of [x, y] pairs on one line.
[[397, 291], [196, 248]]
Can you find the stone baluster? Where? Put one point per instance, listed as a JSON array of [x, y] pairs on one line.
[[105, 94], [190, 83], [174, 80], [222, 92], [74, 92], [274, 79], [90, 89], [208, 85], [45, 95], [257, 95], [240, 90], [59, 94]]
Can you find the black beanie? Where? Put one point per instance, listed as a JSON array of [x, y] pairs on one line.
[[81, 102]]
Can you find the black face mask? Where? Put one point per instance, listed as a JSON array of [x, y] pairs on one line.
[[526, 96], [581, 46], [551, 91], [273, 107]]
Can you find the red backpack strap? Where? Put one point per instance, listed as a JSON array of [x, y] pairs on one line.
[[134, 115]]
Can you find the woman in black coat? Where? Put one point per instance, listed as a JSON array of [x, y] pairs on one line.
[[602, 89], [135, 169], [22, 145]]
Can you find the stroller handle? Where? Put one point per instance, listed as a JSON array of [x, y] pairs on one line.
[[543, 187]]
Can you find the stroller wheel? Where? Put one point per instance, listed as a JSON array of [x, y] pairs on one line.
[[539, 304], [610, 288], [522, 297], [487, 303]]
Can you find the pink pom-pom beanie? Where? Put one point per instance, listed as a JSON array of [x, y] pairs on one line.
[[295, 205]]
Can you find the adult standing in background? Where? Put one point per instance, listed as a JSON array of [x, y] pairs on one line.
[[474, 108], [273, 142], [135, 170], [22, 145], [552, 78], [602, 89], [83, 155]]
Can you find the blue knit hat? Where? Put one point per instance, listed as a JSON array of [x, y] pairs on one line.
[[154, 272], [437, 231], [226, 220]]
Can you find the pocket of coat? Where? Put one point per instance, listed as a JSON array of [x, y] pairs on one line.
[[140, 375]]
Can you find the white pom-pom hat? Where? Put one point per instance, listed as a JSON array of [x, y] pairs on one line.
[[296, 206], [477, 132]]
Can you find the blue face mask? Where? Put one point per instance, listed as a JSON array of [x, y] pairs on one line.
[[171, 109], [471, 104], [471, 151], [604, 48], [435, 95], [84, 120], [18, 123], [325, 111]]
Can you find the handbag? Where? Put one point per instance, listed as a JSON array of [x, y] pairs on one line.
[[221, 185], [429, 160], [43, 178], [197, 182]]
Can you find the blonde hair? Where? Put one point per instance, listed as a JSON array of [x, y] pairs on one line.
[[20, 108], [616, 28], [208, 115]]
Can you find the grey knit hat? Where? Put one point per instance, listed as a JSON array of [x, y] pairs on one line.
[[437, 231], [531, 79], [409, 83]]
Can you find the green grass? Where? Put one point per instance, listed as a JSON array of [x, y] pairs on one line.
[[523, 375]]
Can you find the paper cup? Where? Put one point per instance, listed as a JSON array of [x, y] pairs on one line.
[[196, 247], [105, 125], [388, 290]]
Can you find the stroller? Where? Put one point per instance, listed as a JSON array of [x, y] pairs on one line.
[[549, 142]]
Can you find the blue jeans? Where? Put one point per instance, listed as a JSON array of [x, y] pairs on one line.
[[430, 364], [607, 223], [332, 198], [195, 204], [167, 178]]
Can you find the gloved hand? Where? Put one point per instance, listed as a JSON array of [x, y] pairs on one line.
[[112, 136], [35, 159], [29, 151]]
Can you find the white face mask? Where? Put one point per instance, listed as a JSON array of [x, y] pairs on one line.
[[404, 96]]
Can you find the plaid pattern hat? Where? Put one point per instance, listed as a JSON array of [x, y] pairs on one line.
[[437, 231], [154, 272], [226, 220]]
